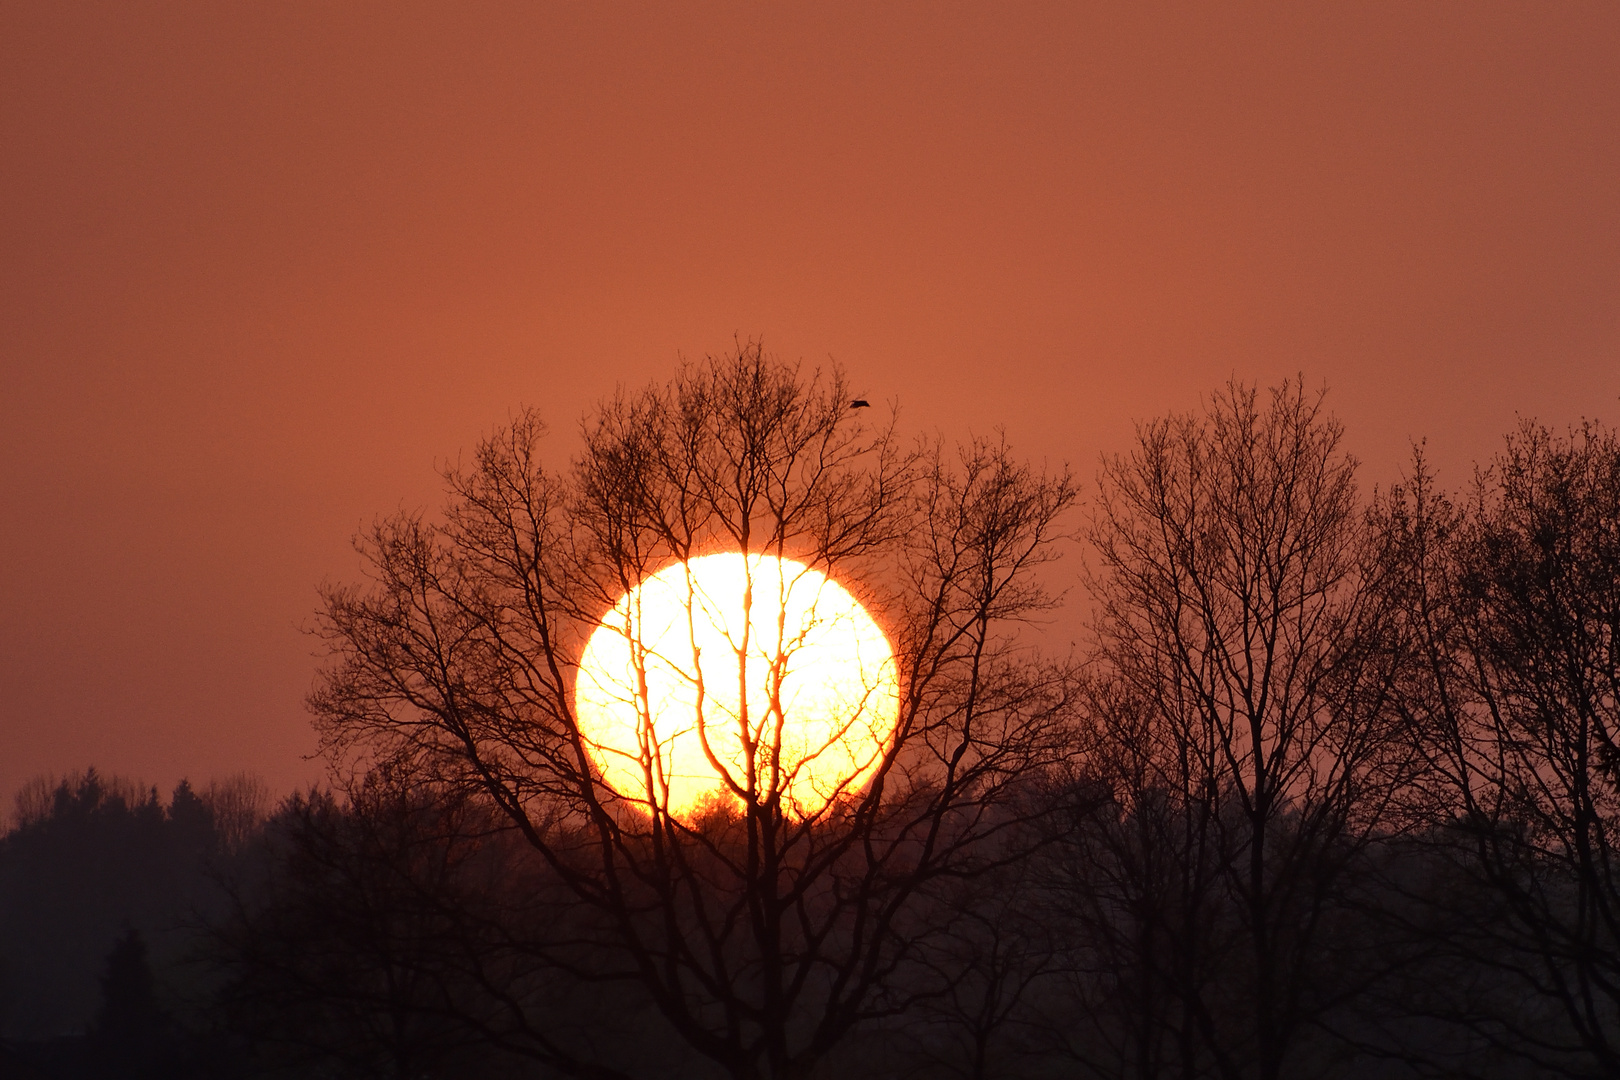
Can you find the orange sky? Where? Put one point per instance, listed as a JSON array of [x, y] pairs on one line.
[[262, 265]]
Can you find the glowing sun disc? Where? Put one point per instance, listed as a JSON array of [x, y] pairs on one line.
[[708, 657]]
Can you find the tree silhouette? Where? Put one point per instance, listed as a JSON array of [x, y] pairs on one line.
[[1514, 595], [1241, 726], [91, 856], [375, 938], [131, 1036], [764, 931]]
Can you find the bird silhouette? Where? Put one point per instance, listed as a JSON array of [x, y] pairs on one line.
[[860, 403]]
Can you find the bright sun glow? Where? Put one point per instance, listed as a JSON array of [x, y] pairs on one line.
[[709, 657]]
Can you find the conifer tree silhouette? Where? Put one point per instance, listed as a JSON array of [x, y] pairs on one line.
[[129, 1035]]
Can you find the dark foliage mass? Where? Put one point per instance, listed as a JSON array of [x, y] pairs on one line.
[[1333, 789], [103, 887]]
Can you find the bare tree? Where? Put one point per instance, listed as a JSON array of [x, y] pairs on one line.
[[239, 805], [1515, 597], [768, 926], [1242, 725], [1130, 883]]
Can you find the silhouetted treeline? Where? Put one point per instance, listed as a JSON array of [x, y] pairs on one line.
[[103, 888], [1340, 799]]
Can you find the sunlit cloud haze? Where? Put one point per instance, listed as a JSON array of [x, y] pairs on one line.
[[262, 266]]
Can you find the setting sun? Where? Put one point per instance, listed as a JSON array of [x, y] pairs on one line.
[[711, 658]]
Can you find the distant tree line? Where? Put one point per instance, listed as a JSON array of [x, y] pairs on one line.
[[104, 889], [1330, 790]]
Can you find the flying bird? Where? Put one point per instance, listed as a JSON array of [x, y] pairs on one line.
[[860, 403]]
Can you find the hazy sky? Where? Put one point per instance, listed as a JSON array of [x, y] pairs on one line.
[[263, 265]]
